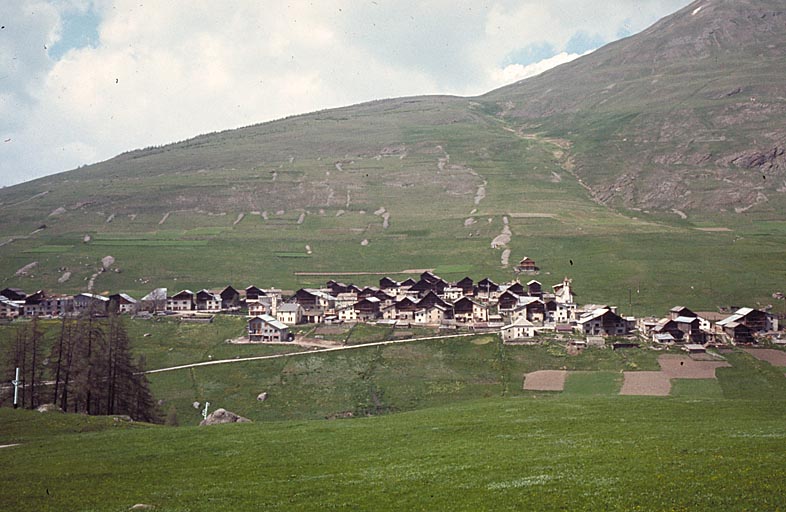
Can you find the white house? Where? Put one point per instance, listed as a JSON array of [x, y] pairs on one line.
[[289, 313], [267, 328], [518, 330]]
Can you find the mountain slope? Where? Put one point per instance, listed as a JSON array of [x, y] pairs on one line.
[[686, 117], [688, 114]]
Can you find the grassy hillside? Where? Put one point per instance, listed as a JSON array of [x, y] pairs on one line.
[[687, 114], [549, 453], [388, 379], [426, 425]]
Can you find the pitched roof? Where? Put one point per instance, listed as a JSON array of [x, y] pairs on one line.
[[520, 322], [94, 296], [157, 294], [289, 307], [270, 320]]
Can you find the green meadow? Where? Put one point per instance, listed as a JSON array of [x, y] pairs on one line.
[[510, 453], [423, 425]]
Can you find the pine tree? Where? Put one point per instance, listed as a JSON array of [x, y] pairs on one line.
[[25, 353]]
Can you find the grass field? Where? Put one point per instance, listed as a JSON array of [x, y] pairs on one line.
[[515, 453], [434, 425]]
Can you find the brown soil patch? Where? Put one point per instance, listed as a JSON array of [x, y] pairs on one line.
[[769, 355], [646, 384], [683, 367], [545, 380]]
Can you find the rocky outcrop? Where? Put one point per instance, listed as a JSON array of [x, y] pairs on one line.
[[49, 408], [763, 160], [220, 416]]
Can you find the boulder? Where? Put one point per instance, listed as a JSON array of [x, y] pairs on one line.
[[49, 408], [220, 416]]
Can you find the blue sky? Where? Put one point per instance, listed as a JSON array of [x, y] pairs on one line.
[[83, 80], [79, 30]]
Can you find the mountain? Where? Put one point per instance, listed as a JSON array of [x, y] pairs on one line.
[[622, 169], [688, 114]]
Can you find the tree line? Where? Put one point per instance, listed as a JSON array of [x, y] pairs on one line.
[[87, 369]]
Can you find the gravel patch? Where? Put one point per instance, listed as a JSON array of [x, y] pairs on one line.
[[646, 384], [769, 355], [545, 380], [683, 367]]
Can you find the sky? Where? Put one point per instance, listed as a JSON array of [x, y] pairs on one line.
[[84, 80]]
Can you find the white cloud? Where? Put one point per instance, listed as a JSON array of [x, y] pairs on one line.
[[515, 72], [171, 70]]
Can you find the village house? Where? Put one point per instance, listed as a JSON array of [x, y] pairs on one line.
[[467, 286], [267, 328], [208, 301], [122, 303], [13, 294], [183, 300], [289, 313], [520, 329], [680, 311], [368, 309], [387, 283], [487, 289], [230, 299], [405, 309], [35, 304], [90, 303], [467, 310], [452, 293], [737, 332], [508, 301], [603, 321], [425, 286], [563, 313], [535, 289], [346, 299], [347, 313], [666, 331], [433, 314], [709, 319], [527, 265], [690, 326], [10, 309], [253, 293], [745, 323], [531, 308], [515, 287], [261, 306], [430, 299], [335, 288], [311, 298], [154, 301]]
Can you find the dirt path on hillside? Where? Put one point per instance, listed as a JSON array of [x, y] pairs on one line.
[[295, 354], [382, 273]]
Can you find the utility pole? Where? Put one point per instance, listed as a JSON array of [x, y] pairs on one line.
[[16, 383]]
